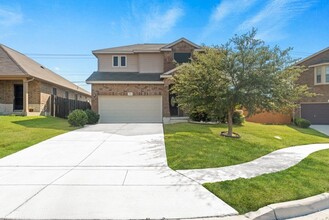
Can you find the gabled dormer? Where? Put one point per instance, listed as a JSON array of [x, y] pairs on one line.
[[179, 51]]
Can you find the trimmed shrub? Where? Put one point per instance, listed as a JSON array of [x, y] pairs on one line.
[[93, 117], [302, 123], [77, 118], [238, 117], [199, 116]]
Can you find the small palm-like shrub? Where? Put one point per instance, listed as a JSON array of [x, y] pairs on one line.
[[77, 118], [93, 117]]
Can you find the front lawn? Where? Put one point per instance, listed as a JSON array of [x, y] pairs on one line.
[[309, 177], [191, 146], [17, 132]]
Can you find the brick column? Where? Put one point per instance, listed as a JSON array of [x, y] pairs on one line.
[[25, 96]]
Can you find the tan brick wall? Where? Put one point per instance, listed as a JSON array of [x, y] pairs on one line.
[[122, 90], [307, 78]]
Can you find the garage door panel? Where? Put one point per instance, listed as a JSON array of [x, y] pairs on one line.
[[118, 109], [316, 113]]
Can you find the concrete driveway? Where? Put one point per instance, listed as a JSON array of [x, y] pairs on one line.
[[105, 171], [324, 129]]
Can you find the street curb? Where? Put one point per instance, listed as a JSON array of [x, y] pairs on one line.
[[291, 209]]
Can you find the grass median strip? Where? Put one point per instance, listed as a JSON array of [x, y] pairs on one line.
[[17, 132], [309, 177], [192, 146]]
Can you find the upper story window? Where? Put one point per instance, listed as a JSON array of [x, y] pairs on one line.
[[54, 91], [321, 74], [66, 94], [182, 57], [119, 61]]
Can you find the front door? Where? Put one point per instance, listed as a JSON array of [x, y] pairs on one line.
[[18, 97], [173, 105]]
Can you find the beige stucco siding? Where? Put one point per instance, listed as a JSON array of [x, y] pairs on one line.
[[105, 63], [150, 63]]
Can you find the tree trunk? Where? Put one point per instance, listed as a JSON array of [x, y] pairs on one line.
[[230, 123]]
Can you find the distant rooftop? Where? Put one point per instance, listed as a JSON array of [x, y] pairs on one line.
[[23, 66]]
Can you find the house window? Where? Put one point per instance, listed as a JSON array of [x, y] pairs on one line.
[[182, 57], [66, 94], [322, 74], [115, 61], [327, 73], [76, 96], [318, 74], [119, 61], [123, 61], [54, 91]]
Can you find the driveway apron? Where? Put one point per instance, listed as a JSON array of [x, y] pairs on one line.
[[105, 171]]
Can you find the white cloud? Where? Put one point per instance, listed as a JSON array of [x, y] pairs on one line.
[[224, 10], [10, 17], [146, 20], [273, 17], [159, 24]]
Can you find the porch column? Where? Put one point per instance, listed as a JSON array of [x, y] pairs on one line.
[[25, 97]]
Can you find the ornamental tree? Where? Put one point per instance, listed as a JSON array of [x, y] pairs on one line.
[[242, 73]]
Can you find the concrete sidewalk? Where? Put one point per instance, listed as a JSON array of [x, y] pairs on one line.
[[273, 162], [106, 171]]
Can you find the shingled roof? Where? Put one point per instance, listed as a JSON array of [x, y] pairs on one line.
[[131, 48], [134, 76], [137, 48], [19, 65]]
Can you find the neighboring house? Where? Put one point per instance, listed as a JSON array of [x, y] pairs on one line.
[[132, 83], [26, 86], [316, 109]]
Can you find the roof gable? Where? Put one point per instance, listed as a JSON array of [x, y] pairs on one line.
[[312, 56], [33, 69], [8, 66], [168, 46]]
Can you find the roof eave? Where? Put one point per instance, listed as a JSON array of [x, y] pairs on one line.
[[319, 64], [123, 82], [165, 76]]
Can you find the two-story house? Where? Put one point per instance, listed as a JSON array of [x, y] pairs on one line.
[[316, 77], [132, 83]]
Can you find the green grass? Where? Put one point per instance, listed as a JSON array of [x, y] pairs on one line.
[[191, 146], [17, 132], [308, 178]]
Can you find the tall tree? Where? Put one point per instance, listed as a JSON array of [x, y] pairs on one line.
[[243, 72]]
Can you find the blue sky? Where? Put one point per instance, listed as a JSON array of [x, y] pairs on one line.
[[61, 34]]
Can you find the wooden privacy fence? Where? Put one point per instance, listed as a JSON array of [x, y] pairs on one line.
[[62, 107]]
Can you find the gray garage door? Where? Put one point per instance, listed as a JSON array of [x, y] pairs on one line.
[[120, 109], [316, 113]]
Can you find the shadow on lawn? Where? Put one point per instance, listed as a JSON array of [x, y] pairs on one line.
[[47, 123], [309, 131]]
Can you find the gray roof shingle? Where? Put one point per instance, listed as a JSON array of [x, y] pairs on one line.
[[124, 76], [131, 48]]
